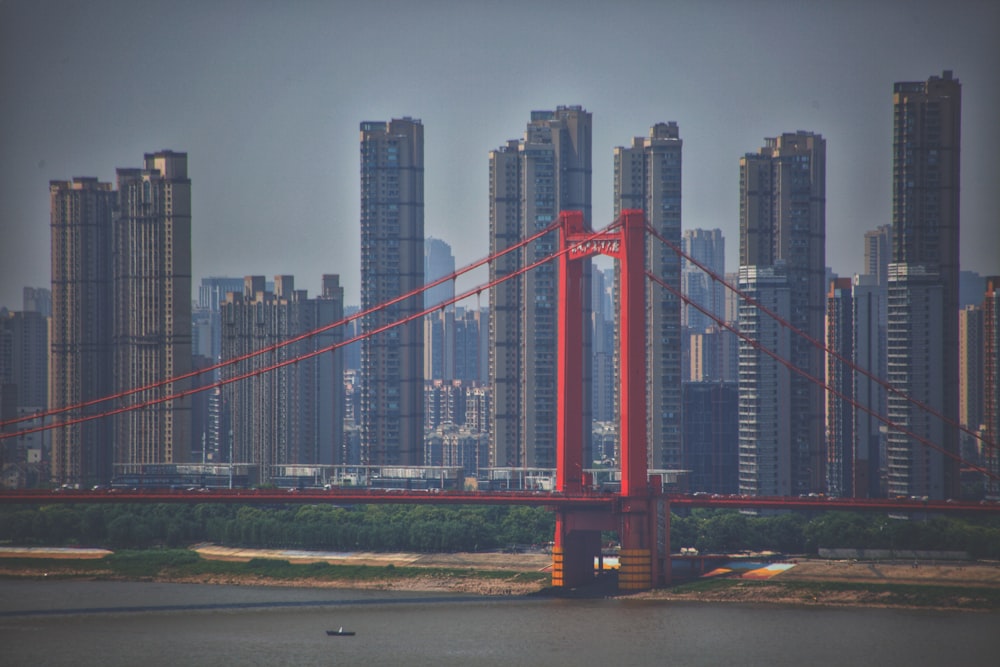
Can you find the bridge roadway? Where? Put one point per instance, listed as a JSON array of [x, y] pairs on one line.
[[586, 501]]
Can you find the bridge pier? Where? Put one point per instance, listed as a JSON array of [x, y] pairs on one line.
[[644, 558], [573, 558]]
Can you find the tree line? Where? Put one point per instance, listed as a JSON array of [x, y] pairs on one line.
[[422, 528], [324, 527]]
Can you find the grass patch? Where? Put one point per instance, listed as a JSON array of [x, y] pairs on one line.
[[167, 563]]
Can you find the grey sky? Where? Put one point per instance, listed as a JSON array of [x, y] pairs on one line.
[[266, 99]]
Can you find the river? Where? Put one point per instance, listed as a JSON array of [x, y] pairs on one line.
[[151, 624]]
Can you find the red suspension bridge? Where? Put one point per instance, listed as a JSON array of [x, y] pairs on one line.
[[639, 511]]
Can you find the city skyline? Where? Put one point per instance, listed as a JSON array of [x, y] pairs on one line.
[[266, 102]]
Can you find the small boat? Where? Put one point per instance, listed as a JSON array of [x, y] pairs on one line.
[[340, 633]]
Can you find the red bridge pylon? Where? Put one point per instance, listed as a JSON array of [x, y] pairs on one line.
[[642, 516]]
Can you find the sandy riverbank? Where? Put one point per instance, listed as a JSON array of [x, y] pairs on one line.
[[438, 578], [946, 585], [810, 582]]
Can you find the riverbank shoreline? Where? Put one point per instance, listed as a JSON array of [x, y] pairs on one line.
[[929, 585]]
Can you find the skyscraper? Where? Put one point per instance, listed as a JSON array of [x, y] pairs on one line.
[[783, 219], [840, 376], [439, 326], [765, 452], [531, 182], [438, 263], [868, 354], [392, 264], [991, 380], [80, 352], [708, 247], [878, 246], [923, 285], [648, 177], [152, 308], [291, 415], [970, 367]]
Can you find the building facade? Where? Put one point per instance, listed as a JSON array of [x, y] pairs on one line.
[[765, 424], [293, 414], [878, 252], [392, 265], [708, 248], [868, 354], [648, 177], [783, 219], [711, 436], [840, 377], [923, 284], [971, 376], [532, 180], [991, 381], [152, 309], [80, 347]]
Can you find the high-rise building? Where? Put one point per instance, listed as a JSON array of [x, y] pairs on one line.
[[708, 247], [923, 286], [711, 435], [532, 180], [37, 300], [471, 343], [840, 377], [868, 354], [81, 353], [765, 452], [439, 326], [648, 177], [970, 367], [392, 265], [292, 415], [152, 309], [438, 263], [602, 316], [439, 344], [991, 381], [24, 348], [878, 247], [783, 219], [24, 354], [711, 349], [206, 330]]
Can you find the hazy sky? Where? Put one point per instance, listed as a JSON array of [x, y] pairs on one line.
[[266, 99]]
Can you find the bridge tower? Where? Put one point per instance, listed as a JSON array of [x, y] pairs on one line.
[[641, 516]]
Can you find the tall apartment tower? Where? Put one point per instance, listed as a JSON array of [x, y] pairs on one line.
[[991, 380], [392, 264], [152, 309], [840, 376], [765, 424], [878, 252], [783, 218], [708, 247], [439, 326], [80, 346], [438, 263], [923, 285], [292, 415], [37, 300], [531, 181], [868, 354], [970, 367], [603, 319], [648, 177]]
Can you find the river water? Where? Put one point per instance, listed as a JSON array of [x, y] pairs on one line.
[[151, 624]]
